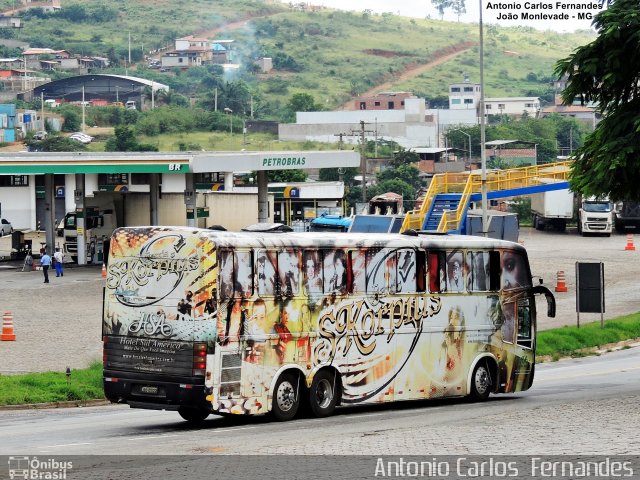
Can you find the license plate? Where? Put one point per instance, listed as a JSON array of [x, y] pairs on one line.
[[148, 389]]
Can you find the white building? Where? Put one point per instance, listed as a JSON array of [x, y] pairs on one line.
[[515, 106], [413, 126]]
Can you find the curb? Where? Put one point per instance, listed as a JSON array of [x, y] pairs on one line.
[[68, 404]]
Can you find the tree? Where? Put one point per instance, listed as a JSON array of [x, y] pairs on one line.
[[606, 72], [458, 7], [286, 176], [441, 6], [71, 120], [125, 140], [55, 143]]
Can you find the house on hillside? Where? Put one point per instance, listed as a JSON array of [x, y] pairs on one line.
[[466, 96], [382, 101]]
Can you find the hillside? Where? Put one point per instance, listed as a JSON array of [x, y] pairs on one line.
[[331, 55]]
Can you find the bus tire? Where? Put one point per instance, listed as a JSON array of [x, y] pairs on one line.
[[193, 415], [481, 382], [286, 397], [323, 394]]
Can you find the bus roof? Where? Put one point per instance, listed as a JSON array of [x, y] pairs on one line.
[[330, 239]]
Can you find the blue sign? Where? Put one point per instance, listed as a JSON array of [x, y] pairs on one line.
[[59, 192]]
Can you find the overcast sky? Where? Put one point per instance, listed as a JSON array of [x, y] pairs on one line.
[[424, 8]]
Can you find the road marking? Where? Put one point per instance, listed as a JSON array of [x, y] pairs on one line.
[[589, 374], [232, 429], [66, 445], [147, 437]]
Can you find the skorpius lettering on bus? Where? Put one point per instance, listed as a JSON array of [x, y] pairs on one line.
[[284, 162]]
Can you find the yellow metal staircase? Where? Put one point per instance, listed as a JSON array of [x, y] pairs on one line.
[[468, 183]]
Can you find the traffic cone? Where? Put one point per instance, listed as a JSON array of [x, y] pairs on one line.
[[630, 245], [7, 327], [561, 286], [104, 271]]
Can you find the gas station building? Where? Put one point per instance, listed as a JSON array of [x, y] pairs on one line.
[[150, 188]]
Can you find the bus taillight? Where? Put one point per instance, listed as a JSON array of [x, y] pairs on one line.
[[104, 352], [199, 358]]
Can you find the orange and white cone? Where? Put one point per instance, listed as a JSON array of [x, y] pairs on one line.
[[7, 327], [104, 271], [630, 245], [561, 285]]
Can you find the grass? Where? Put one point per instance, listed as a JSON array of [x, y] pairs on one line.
[[86, 384], [572, 341]]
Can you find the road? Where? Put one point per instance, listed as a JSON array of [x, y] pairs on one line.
[[583, 406]]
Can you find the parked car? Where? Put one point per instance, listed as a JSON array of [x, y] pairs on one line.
[[5, 227], [81, 137], [41, 135]]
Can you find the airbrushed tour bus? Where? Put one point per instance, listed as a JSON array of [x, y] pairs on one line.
[[203, 321]]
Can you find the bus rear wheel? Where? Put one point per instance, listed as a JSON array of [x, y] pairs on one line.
[[286, 398], [323, 394], [481, 382], [193, 415]]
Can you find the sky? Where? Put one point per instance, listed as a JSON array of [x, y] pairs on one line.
[[424, 8]]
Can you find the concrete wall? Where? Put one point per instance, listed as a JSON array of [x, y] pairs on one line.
[[19, 205], [234, 210], [171, 209]]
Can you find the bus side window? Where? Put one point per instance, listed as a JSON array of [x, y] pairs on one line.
[[406, 271], [243, 285], [358, 269], [377, 270], [312, 262], [391, 262], [524, 323], [267, 273], [494, 271], [479, 271], [289, 272], [455, 271], [437, 278], [225, 274], [421, 271], [335, 272]]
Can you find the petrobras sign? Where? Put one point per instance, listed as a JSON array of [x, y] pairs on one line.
[[221, 162]]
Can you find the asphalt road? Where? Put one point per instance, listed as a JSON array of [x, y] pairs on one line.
[[585, 406]]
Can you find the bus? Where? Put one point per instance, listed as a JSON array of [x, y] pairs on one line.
[[203, 321]]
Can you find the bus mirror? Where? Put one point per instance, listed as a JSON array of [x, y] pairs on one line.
[[551, 301]]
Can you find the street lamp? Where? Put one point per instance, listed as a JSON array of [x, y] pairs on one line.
[[483, 154], [468, 136], [229, 111]]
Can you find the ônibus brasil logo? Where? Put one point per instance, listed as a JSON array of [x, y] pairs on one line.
[[35, 468]]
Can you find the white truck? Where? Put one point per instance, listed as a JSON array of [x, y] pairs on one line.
[[100, 222], [595, 216], [553, 209]]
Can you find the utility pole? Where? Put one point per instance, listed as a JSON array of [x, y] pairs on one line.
[[340, 143], [363, 157], [44, 124]]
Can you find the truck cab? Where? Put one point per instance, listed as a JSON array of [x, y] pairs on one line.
[[595, 216], [627, 215], [99, 225]]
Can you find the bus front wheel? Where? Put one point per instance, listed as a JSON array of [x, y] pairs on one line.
[[323, 394], [481, 382], [286, 398], [193, 415]]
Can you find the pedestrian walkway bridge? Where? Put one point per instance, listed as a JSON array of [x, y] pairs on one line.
[[449, 195]]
